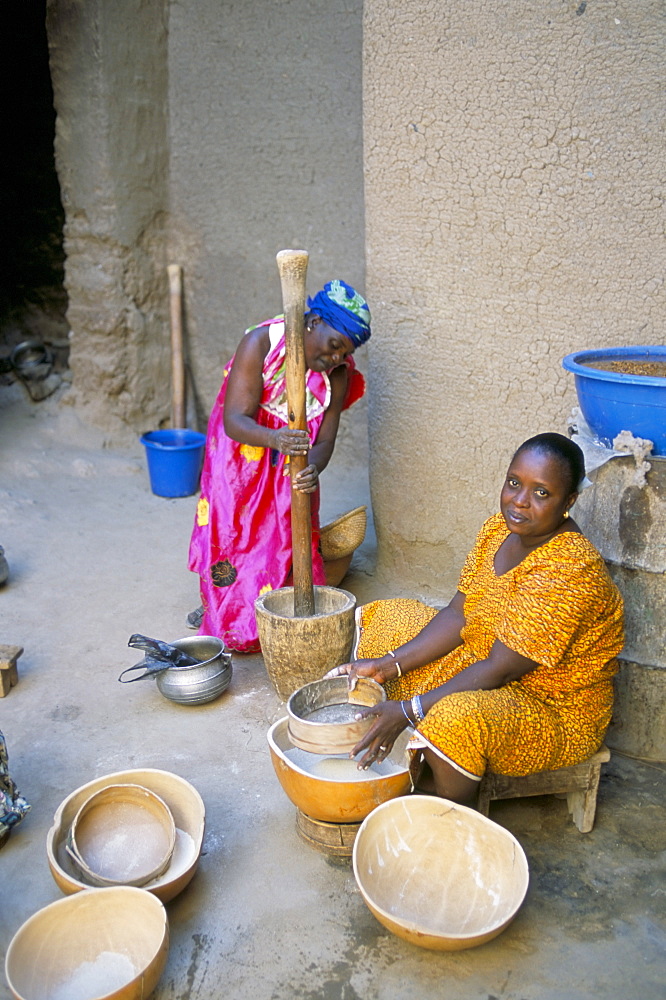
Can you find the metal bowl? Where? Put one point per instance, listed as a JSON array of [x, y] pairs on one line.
[[32, 360], [201, 683], [319, 736]]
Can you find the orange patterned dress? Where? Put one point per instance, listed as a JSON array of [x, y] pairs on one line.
[[558, 607]]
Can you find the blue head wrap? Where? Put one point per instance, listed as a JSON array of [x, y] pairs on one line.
[[343, 309]]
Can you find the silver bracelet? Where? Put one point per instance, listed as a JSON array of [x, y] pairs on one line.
[[417, 708]]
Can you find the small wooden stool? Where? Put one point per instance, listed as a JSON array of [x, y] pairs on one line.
[[334, 839], [580, 783], [8, 669]]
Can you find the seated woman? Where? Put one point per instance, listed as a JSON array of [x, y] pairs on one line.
[[241, 542], [515, 674]]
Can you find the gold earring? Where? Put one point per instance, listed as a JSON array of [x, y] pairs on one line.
[[566, 513]]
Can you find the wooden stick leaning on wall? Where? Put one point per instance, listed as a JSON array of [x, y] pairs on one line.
[[293, 266], [177, 356]]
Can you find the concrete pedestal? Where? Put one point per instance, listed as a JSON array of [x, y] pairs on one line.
[[627, 523]]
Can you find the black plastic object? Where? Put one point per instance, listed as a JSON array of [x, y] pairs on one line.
[[150, 666], [158, 650], [161, 656]]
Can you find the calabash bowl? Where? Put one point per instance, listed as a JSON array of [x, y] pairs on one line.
[[107, 943], [185, 805], [438, 874], [335, 800]]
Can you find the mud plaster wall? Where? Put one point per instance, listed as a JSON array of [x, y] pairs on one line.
[[514, 210], [265, 137], [109, 73], [211, 135]]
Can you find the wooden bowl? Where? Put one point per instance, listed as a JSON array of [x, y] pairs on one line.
[[331, 694], [438, 874], [111, 943], [335, 799], [298, 650], [122, 835], [185, 805]]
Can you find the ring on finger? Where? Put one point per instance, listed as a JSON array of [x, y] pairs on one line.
[[383, 749]]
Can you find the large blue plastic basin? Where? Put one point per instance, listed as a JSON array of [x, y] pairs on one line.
[[612, 402]]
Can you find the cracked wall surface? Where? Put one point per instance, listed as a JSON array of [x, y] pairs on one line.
[[514, 213]]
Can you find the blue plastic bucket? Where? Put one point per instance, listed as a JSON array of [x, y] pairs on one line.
[[174, 461], [612, 401]]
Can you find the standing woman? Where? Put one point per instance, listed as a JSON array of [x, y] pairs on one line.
[[516, 673], [241, 542]]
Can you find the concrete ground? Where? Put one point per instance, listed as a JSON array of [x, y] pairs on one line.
[[94, 557]]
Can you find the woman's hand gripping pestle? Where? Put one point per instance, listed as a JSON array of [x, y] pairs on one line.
[[294, 442]]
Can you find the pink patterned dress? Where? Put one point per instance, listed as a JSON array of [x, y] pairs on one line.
[[241, 542]]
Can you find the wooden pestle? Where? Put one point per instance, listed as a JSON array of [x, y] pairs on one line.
[[292, 266]]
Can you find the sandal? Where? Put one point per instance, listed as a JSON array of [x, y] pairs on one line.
[[195, 618]]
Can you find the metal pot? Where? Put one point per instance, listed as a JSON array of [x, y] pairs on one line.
[[32, 360], [203, 682]]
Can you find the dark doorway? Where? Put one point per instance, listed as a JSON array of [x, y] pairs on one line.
[[33, 300]]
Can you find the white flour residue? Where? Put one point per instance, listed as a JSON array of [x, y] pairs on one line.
[[122, 842], [184, 853], [106, 973]]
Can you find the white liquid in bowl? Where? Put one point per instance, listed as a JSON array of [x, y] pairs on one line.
[[340, 767]]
